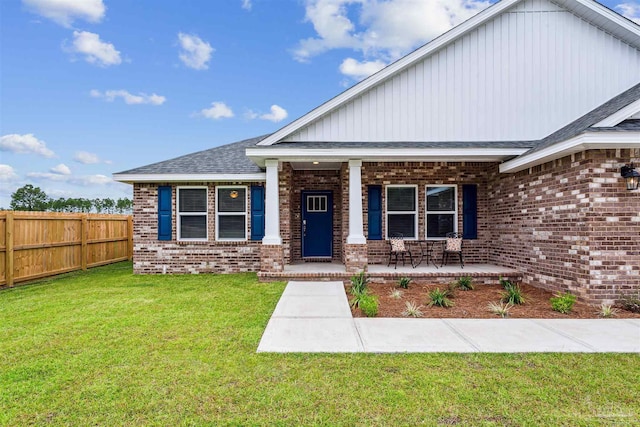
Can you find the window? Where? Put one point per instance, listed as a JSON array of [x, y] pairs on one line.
[[402, 211], [192, 213], [316, 203], [231, 213], [441, 210]]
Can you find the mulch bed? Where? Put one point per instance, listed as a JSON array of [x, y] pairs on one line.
[[473, 304]]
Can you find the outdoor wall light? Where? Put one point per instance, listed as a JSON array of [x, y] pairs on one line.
[[631, 176], [233, 194]]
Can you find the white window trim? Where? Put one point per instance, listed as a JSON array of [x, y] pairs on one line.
[[219, 214], [414, 212], [454, 212], [179, 214]]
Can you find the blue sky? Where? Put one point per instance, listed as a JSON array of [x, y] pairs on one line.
[[93, 87]]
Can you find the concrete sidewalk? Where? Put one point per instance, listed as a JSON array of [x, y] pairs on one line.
[[314, 317]]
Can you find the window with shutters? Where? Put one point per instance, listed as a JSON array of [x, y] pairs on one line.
[[441, 211], [192, 213], [231, 213], [402, 211]]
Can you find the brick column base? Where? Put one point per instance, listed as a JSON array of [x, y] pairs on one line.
[[355, 257], [271, 258]]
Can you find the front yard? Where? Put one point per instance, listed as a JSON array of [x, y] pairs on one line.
[[106, 347]]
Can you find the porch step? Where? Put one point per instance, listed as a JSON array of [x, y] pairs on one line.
[[481, 273]]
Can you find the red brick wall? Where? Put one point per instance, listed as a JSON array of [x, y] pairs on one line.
[[153, 256], [423, 174], [569, 224]]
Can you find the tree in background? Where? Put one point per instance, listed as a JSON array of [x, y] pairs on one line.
[[29, 198]]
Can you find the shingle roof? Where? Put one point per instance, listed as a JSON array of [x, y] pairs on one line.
[[228, 158]]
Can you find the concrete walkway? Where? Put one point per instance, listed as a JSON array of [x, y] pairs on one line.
[[314, 317]]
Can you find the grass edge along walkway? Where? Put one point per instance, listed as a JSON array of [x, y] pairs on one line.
[[108, 347]]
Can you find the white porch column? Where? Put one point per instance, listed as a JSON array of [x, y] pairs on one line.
[[272, 205], [356, 230]]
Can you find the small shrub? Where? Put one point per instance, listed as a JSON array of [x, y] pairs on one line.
[[607, 311], [404, 282], [359, 283], [505, 283], [395, 294], [369, 305], [412, 310], [513, 295], [562, 303], [464, 283], [631, 303], [440, 298], [500, 308]]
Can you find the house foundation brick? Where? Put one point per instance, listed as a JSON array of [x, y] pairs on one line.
[[271, 258], [355, 257]]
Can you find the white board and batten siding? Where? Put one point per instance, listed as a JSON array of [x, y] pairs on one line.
[[520, 76]]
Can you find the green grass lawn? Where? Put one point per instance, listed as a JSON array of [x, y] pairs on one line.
[[106, 347]]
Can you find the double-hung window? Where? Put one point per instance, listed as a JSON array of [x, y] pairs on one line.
[[192, 213], [402, 211], [441, 210], [231, 213]]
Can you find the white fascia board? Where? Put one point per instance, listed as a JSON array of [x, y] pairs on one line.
[[605, 12], [420, 53], [384, 154], [620, 115], [185, 177], [588, 141]]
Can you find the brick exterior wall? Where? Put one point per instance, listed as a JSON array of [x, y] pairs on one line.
[[423, 174], [153, 256], [569, 224]]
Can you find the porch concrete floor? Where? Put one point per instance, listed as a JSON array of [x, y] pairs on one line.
[[314, 317], [334, 267]]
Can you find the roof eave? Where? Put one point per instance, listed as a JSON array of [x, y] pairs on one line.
[[582, 142], [188, 177]]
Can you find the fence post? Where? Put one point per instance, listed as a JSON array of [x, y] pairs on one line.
[[8, 245], [84, 229], [130, 237]]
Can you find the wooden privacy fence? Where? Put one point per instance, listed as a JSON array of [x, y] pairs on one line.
[[40, 244]]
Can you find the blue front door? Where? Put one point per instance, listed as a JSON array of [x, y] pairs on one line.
[[317, 224]]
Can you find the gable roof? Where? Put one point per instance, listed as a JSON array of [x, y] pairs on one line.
[[601, 16], [213, 164]]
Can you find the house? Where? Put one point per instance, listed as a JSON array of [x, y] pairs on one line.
[[511, 128]]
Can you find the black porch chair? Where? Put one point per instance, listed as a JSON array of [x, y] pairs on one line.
[[397, 248], [452, 245]]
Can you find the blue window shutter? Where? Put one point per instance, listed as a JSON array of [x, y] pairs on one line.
[[375, 212], [469, 211], [164, 212], [257, 213]]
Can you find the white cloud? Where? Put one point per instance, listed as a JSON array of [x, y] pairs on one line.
[[383, 30], [250, 114], [218, 110], [61, 169], [195, 52], [95, 50], [7, 174], [129, 98], [276, 115], [25, 144], [64, 12], [630, 10], [86, 158], [83, 180], [360, 70], [246, 4]]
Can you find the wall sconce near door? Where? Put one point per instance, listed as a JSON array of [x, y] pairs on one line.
[[233, 194], [631, 176]]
